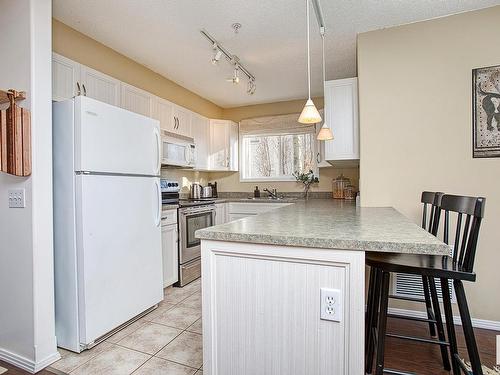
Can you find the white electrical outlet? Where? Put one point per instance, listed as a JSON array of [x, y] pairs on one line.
[[17, 198], [331, 304]]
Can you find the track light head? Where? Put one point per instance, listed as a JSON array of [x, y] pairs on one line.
[[217, 56]]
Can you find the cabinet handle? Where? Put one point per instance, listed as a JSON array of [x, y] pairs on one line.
[[84, 90], [78, 92], [318, 158], [177, 121]]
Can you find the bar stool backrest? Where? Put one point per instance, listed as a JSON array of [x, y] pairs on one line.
[[430, 218], [466, 235]]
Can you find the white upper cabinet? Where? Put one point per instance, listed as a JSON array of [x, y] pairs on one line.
[[136, 100], [70, 79], [65, 78], [233, 146], [223, 145], [341, 115], [182, 117], [99, 86], [200, 127], [163, 112]]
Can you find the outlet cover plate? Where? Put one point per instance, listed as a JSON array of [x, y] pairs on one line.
[[331, 305]]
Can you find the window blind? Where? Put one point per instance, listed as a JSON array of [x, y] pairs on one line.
[[282, 124]]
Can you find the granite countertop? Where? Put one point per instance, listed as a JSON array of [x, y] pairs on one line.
[[330, 224]]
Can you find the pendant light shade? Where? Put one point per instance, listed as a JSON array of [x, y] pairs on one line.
[[325, 134], [310, 114]]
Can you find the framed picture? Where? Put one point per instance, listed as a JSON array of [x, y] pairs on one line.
[[486, 112]]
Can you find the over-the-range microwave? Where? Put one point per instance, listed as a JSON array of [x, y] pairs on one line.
[[177, 152]]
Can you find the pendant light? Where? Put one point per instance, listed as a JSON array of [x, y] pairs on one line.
[[310, 114], [325, 133]]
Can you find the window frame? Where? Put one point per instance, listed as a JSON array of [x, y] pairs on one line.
[[315, 151]]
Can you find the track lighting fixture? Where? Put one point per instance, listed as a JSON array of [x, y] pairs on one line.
[[220, 51]]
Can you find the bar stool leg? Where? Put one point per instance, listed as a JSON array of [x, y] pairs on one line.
[[450, 326], [372, 324], [382, 323], [439, 323], [470, 340], [369, 307], [428, 305]]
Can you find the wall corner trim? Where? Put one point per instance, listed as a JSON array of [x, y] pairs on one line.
[[27, 364]]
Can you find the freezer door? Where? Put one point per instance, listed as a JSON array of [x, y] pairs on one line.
[[109, 139], [118, 250]]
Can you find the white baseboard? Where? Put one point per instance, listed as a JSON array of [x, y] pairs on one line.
[[28, 364], [476, 323]]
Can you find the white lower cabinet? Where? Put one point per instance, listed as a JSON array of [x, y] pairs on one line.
[[233, 217], [169, 241], [239, 210], [220, 213]]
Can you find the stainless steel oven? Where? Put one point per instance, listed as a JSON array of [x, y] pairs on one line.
[[192, 217]]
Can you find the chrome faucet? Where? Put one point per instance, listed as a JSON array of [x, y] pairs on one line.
[[273, 194]]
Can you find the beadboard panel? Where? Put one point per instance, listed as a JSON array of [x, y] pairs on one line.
[[262, 310]]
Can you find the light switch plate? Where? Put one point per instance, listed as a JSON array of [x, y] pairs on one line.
[[331, 305], [17, 198]]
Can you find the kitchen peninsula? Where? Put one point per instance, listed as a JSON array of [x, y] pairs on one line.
[[265, 279]]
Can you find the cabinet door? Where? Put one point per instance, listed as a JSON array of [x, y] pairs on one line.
[[233, 146], [136, 100], [65, 76], [182, 117], [170, 254], [201, 133], [233, 217], [341, 114], [220, 213], [100, 86], [163, 112], [219, 145]]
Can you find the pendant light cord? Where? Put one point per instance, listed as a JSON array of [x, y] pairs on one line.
[[308, 53]]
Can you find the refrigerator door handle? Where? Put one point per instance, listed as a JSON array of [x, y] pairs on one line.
[[158, 150], [158, 209]]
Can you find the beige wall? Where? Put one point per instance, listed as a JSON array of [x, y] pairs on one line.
[[268, 109], [415, 114], [79, 47]]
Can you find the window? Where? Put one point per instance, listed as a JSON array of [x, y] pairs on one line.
[[274, 157]]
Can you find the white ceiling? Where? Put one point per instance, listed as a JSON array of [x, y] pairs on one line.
[[164, 36]]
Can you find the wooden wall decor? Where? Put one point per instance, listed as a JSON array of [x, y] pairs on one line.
[[15, 135]]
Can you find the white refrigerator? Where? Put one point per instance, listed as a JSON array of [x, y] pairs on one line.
[[107, 219]]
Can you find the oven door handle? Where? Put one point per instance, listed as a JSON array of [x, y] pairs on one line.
[[200, 211]]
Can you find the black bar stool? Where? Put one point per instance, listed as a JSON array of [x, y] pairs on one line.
[[430, 222], [458, 268]]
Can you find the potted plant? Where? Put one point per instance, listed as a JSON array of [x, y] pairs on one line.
[[307, 179]]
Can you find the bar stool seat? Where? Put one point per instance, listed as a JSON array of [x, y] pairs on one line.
[[437, 266]]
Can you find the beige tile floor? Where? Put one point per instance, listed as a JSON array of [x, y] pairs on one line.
[[167, 341]]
